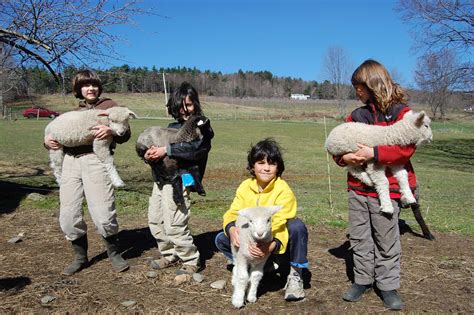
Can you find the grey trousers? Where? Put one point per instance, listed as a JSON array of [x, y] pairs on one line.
[[375, 242], [169, 226], [86, 176]]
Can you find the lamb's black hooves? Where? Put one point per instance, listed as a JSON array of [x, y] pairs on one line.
[[202, 193], [429, 236]]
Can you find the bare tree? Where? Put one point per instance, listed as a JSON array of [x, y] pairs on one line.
[[440, 24], [56, 33], [338, 66], [438, 75], [443, 24]]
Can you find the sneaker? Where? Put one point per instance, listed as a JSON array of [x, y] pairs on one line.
[[355, 292], [294, 290], [161, 263], [392, 300], [187, 270]]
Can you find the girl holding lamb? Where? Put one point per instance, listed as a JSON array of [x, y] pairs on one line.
[[267, 188], [374, 235], [167, 220], [83, 174]]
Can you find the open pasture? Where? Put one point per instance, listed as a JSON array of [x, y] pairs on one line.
[[444, 169]]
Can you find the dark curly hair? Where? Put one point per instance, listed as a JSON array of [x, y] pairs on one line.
[[83, 78], [177, 100], [266, 149]]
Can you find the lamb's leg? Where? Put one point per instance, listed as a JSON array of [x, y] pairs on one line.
[[177, 185], [377, 173], [256, 274], [240, 278], [194, 171], [102, 150], [359, 173], [401, 175], [56, 158]]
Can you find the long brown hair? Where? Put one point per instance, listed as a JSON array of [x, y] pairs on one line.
[[384, 91]]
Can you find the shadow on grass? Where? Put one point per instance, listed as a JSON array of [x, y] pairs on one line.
[[133, 243], [11, 194]]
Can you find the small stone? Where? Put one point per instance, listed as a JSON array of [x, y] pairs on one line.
[[35, 197], [198, 277], [152, 274], [47, 299], [129, 303], [219, 284], [14, 240], [179, 279]]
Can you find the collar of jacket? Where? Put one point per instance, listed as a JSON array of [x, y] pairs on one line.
[[256, 189], [84, 105]]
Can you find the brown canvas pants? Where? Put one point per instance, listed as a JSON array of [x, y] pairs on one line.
[[375, 242], [169, 225]]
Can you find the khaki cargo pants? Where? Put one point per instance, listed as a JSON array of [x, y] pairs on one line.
[[85, 175], [375, 242], [169, 225]]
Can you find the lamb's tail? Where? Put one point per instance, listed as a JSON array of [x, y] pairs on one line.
[[56, 158]]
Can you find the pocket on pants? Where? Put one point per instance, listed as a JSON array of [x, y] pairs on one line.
[[96, 170]]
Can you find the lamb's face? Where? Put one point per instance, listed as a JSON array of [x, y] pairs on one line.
[[118, 119], [423, 124], [260, 221]]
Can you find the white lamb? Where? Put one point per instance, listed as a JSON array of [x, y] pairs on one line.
[[414, 128], [73, 129], [255, 225]]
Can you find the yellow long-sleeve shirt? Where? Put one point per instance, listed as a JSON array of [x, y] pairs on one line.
[[277, 193]]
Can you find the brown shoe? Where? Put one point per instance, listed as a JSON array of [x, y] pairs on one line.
[[162, 263], [187, 270]]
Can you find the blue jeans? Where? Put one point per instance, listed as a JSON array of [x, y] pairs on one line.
[[297, 244]]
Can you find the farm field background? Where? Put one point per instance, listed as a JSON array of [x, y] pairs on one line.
[[31, 269], [444, 167]]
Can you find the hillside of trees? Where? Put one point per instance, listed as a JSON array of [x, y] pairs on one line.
[[126, 79]]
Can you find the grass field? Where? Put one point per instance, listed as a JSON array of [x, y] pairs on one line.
[[445, 168]]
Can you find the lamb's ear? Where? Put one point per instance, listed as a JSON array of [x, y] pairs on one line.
[[132, 114], [274, 209], [420, 119], [103, 114], [243, 212], [202, 121]]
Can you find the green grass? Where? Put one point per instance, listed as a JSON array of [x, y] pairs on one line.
[[444, 168]]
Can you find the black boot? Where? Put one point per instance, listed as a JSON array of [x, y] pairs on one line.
[[355, 292], [80, 256], [392, 300], [118, 263]]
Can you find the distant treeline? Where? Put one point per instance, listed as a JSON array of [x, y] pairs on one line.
[[125, 79]]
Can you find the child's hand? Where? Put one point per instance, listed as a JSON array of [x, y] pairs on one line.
[[51, 143], [365, 152], [353, 159], [234, 236], [261, 249], [102, 132], [155, 153]]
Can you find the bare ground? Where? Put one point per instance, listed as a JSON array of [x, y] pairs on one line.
[[437, 276]]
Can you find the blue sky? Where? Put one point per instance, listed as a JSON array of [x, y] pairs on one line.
[[286, 37]]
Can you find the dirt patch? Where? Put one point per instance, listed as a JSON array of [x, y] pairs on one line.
[[436, 276]]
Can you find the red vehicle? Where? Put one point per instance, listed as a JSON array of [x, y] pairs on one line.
[[37, 111]]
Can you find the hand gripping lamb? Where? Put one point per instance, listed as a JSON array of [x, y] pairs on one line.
[[414, 128], [167, 170], [73, 129]]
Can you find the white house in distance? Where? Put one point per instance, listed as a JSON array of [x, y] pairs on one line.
[[303, 97]]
